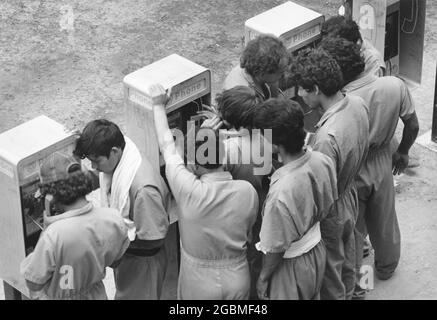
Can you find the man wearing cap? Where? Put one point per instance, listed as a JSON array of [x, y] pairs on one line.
[[129, 184], [78, 241]]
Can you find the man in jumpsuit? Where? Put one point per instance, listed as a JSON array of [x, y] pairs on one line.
[[78, 242], [342, 134], [237, 107], [301, 194], [216, 215], [388, 99], [348, 29], [129, 184], [262, 64]]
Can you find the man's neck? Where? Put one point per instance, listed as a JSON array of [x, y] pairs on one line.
[[328, 102], [78, 204], [287, 157], [204, 170]]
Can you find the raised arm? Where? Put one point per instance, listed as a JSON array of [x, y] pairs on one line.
[[182, 182], [165, 137]]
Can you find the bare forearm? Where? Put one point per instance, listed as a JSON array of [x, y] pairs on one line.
[[145, 248], [271, 262], [409, 135], [162, 129]]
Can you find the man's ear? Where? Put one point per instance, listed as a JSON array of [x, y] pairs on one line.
[[316, 89], [275, 148], [359, 42], [117, 151]]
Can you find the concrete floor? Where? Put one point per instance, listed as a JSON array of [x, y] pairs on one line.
[[74, 75]]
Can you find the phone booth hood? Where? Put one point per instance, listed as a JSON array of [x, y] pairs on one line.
[[294, 24]]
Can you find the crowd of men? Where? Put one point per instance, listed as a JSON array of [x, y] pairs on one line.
[[296, 232]]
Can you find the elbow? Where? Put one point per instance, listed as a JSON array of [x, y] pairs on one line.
[[412, 125], [414, 128]]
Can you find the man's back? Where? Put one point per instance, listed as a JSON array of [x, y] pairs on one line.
[[388, 99], [217, 216], [305, 189], [374, 63], [237, 77], [92, 238], [75, 250], [342, 134]]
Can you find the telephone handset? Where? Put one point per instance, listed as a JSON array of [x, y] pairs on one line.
[[48, 208]]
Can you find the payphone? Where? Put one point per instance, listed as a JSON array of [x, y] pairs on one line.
[[396, 28], [295, 25], [22, 150], [191, 89], [298, 27]]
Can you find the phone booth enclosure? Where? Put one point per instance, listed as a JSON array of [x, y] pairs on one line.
[[396, 28], [295, 25], [190, 86], [22, 150]]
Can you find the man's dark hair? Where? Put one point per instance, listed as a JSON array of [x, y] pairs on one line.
[[340, 27], [348, 56], [285, 118], [264, 55], [236, 106], [98, 138], [317, 67], [67, 191]]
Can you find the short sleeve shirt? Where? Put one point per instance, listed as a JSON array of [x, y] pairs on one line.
[[149, 215]]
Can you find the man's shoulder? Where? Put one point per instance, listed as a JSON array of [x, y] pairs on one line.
[[235, 78], [318, 158], [107, 213], [357, 105], [388, 83], [242, 187], [147, 177]]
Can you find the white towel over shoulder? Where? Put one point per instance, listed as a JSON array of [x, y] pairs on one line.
[[115, 188]]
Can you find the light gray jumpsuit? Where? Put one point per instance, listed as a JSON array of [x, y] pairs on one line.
[[215, 219], [388, 99], [77, 248], [342, 134], [301, 194]]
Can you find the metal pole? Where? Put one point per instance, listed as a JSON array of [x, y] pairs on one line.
[[434, 115]]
